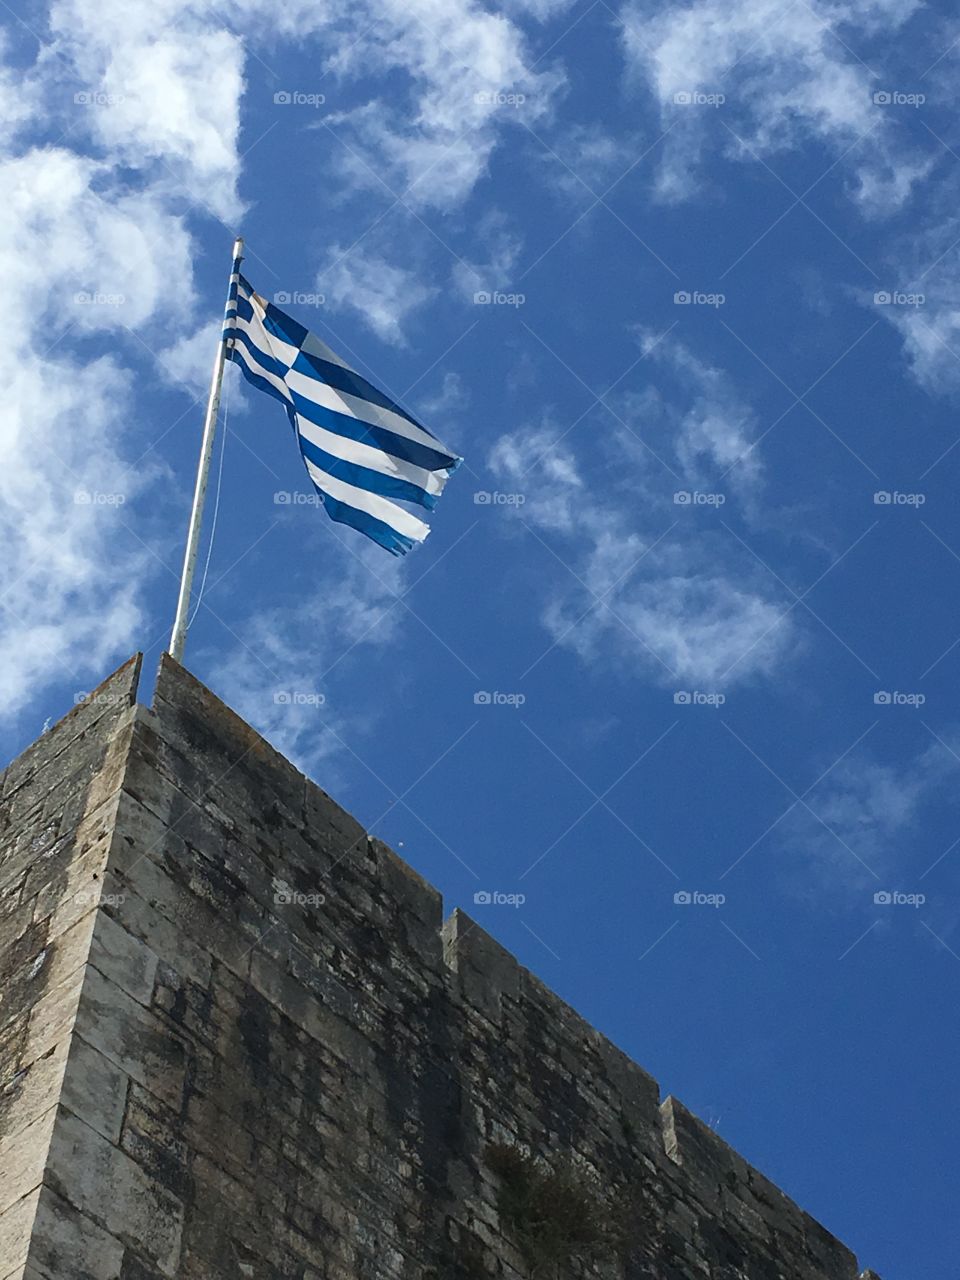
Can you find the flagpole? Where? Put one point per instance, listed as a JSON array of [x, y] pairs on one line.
[[179, 636]]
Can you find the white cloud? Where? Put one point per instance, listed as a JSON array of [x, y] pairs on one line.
[[431, 142], [188, 362], [690, 609], [162, 87], [382, 294], [440, 411], [166, 83], [497, 269], [588, 159], [700, 627], [69, 578], [860, 815], [76, 263], [789, 74], [926, 267], [709, 428]]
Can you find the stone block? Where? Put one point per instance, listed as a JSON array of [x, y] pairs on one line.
[[104, 1184], [23, 1158], [69, 1243]]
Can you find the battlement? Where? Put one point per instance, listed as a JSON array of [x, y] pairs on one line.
[[239, 1039]]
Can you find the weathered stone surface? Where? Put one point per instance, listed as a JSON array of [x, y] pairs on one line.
[[114, 1191], [66, 1242], [95, 1089], [237, 1039], [16, 1229], [23, 1158]]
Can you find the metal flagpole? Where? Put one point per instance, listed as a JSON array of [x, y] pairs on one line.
[[179, 635]]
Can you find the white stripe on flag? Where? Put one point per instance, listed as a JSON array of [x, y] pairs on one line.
[[380, 508], [250, 361], [371, 456], [328, 397]]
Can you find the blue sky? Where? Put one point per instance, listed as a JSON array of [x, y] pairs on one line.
[[700, 565]]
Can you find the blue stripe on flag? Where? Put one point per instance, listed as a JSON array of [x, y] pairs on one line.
[[263, 340], [263, 358], [337, 376], [369, 433], [363, 478], [341, 379], [398, 544], [255, 379]]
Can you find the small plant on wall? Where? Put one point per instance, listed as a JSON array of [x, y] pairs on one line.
[[555, 1214]]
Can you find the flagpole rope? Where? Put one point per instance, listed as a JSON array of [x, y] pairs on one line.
[[216, 503]]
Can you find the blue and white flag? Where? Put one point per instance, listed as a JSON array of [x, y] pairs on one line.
[[362, 451]]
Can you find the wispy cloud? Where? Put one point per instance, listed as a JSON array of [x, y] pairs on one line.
[[920, 299], [784, 75], [854, 830], [682, 603], [382, 294], [430, 139]]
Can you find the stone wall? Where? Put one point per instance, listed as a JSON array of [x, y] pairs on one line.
[[238, 1040], [58, 805]]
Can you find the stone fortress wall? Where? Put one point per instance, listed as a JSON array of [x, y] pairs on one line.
[[238, 1039]]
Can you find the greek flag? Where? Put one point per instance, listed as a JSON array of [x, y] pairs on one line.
[[361, 450]]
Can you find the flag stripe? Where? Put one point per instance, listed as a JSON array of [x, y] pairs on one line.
[[361, 449], [369, 504], [317, 359], [364, 477], [343, 402], [398, 453], [286, 362], [283, 350], [266, 363], [364, 455], [369, 433], [260, 378]]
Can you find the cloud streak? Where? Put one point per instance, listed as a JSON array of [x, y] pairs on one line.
[[647, 581]]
